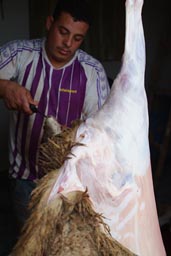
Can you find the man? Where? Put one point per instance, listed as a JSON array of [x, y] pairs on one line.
[[56, 76]]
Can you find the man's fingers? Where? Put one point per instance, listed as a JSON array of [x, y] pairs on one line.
[[19, 98]]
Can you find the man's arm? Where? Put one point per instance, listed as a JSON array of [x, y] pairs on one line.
[[15, 96]]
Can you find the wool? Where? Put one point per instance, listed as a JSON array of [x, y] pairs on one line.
[[57, 147], [67, 225]]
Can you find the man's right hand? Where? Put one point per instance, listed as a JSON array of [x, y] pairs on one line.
[[16, 97]]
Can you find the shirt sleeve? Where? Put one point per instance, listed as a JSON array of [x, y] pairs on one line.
[[9, 59], [97, 89]]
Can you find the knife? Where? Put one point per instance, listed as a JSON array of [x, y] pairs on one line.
[[34, 109]]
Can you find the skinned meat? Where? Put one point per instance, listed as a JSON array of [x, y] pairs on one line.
[[114, 163]]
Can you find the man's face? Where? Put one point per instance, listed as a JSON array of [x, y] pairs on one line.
[[64, 37]]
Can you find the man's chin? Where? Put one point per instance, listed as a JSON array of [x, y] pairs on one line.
[[60, 61]]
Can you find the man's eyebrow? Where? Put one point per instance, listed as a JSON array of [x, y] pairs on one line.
[[60, 26], [67, 30]]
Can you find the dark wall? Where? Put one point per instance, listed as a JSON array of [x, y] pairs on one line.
[[156, 19]]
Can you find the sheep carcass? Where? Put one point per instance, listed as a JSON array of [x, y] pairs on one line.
[[106, 179]]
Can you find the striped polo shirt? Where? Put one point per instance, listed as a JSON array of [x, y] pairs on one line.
[[75, 91]]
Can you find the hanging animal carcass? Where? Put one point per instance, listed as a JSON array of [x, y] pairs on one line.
[[101, 200]]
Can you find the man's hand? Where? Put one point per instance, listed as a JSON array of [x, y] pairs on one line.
[[16, 97]]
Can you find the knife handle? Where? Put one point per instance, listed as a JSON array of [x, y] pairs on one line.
[[33, 108]]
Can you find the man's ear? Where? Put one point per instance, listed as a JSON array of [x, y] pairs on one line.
[[49, 21]]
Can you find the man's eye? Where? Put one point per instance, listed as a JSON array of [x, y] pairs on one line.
[[63, 32], [78, 38]]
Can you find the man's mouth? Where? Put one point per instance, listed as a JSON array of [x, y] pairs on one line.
[[64, 51]]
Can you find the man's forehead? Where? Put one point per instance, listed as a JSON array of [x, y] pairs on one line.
[[68, 22]]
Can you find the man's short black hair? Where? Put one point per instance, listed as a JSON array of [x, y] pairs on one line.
[[78, 9]]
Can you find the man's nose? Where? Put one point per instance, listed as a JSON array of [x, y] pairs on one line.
[[68, 41]]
